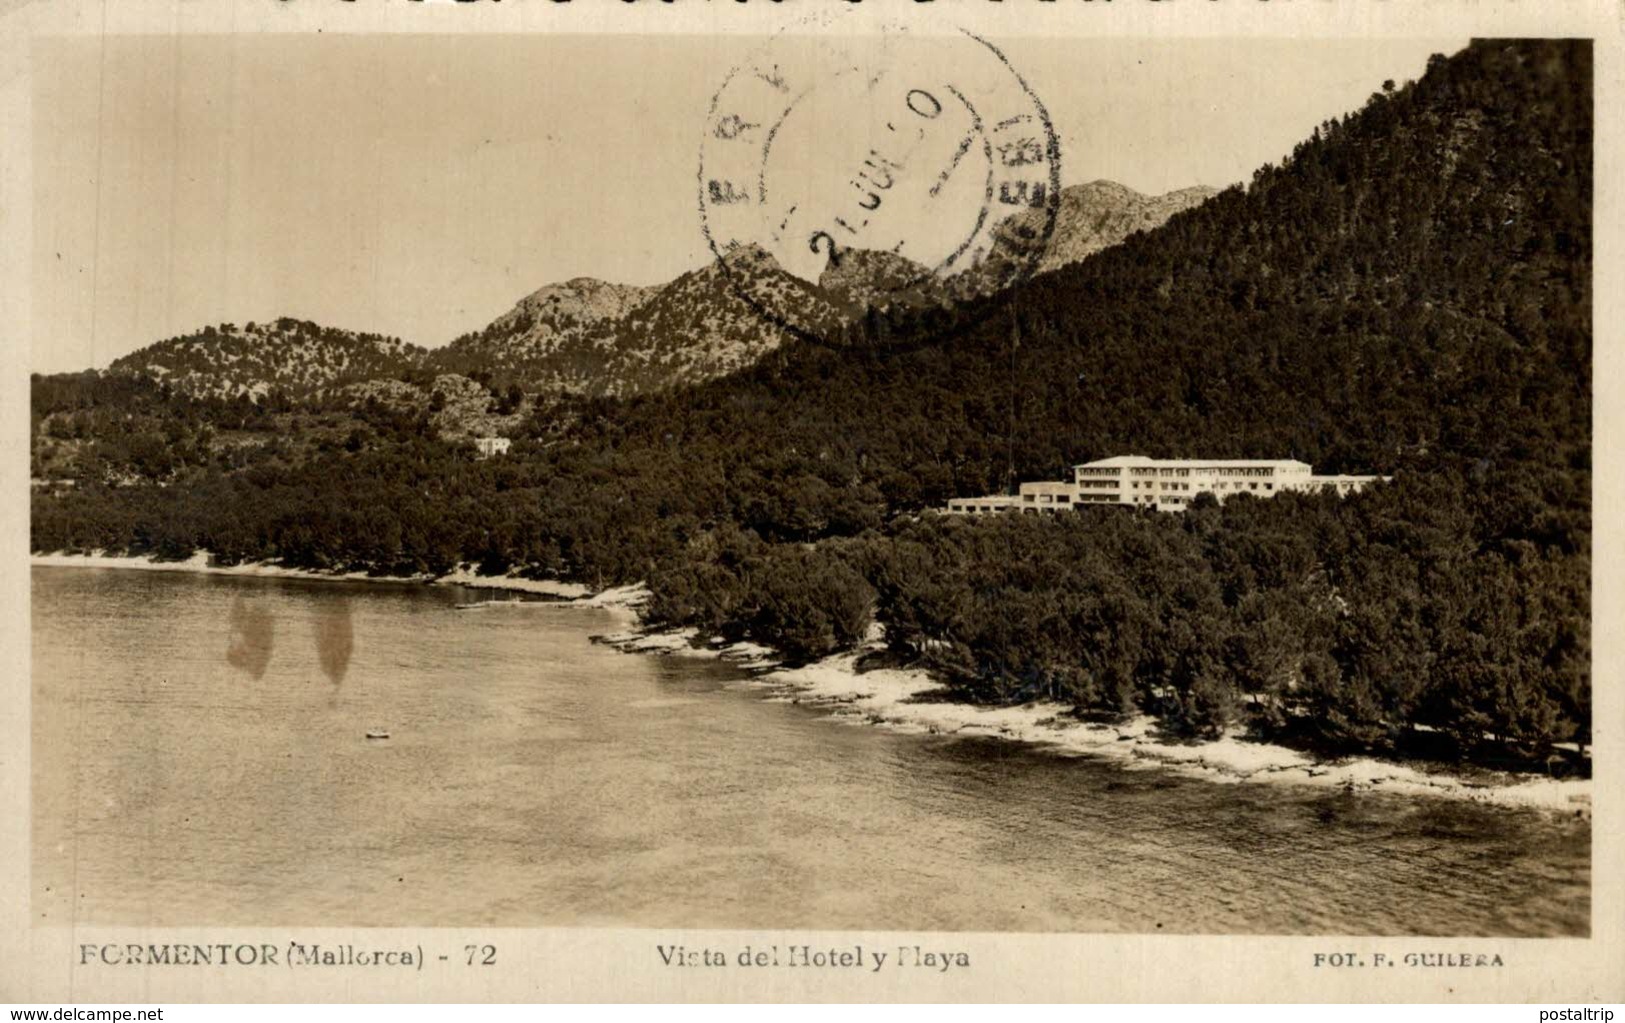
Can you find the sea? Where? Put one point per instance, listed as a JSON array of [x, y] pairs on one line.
[[220, 750]]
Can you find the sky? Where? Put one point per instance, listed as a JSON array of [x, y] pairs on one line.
[[418, 186]]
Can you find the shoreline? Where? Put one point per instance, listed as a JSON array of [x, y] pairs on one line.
[[200, 562], [891, 698]]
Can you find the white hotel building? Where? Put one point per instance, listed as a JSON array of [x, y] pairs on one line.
[[1166, 484]]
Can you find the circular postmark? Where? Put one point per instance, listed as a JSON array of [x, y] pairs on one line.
[[846, 172]]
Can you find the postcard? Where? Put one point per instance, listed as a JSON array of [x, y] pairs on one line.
[[840, 501]]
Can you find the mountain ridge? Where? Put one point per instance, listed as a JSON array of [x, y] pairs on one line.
[[631, 355], [593, 337]]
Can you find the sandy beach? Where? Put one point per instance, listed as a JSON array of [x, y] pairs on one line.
[[908, 700]]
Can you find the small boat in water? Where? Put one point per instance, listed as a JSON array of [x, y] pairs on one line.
[[377, 733], [474, 606]]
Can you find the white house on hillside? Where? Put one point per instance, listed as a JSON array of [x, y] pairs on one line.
[[1166, 484], [489, 446]]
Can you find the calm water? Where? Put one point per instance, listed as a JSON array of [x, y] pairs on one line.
[[200, 758]]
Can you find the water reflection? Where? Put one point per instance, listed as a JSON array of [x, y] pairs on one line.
[[253, 634], [335, 639]]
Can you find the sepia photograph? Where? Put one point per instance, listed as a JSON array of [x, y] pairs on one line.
[[865, 476]]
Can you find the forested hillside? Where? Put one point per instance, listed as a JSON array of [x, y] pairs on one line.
[[293, 356], [1407, 294]]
